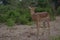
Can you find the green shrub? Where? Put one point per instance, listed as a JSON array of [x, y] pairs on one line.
[[24, 17], [11, 17], [3, 15], [58, 11], [10, 22], [51, 13], [42, 3], [38, 9]]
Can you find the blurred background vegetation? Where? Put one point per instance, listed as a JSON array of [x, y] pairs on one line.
[[17, 12]]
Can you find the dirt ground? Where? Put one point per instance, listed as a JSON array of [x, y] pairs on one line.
[[26, 32]]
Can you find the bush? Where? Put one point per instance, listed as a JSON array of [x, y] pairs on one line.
[[10, 22], [58, 11], [24, 17], [14, 16], [38, 9], [3, 15], [43, 3]]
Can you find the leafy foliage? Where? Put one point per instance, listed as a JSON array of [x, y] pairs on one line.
[[58, 11], [17, 12], [10, 22], [11, 16]]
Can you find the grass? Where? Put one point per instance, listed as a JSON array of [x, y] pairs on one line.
[[55, 38]]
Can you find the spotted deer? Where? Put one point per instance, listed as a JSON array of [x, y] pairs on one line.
[[37, 17]]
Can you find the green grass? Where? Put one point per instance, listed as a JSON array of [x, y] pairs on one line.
[[55, 38]]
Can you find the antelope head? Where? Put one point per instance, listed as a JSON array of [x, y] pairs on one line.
[[32, 10]]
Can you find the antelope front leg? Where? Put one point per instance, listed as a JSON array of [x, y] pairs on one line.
[[37, 25], [48, 24]]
